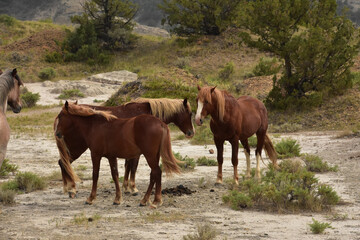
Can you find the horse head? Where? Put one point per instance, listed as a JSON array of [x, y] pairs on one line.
[[210, 101], [14, 95], [183, 120]]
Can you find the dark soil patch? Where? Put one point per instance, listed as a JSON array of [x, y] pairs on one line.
[[177, 191]]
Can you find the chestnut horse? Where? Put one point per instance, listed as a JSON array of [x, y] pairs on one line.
[[175, 111], [9, 94], [233, 120], [112, 137]]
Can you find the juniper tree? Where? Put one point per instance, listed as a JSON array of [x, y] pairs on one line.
[[316, 45], [112, 20], [199, 17]]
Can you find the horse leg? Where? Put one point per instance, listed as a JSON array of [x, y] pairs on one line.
[[3, 149], [220, 159], [115, 177], [146, 198], [234, 158], [157, 199], [95, 176], [133, 167], [126, 176], [260, 143], [245, 144]]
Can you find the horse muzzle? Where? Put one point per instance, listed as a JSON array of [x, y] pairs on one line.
[[199, 121], [58, 135], [16, 109], [189, 134]]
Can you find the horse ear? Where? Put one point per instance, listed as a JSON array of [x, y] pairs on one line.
[[213, 89], [185, 102], [67, 106], [14, 72], [76, 102], [198, 87]]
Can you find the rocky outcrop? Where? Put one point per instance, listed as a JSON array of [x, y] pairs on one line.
[[116, 77]]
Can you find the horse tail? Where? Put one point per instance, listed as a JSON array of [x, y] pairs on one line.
[[168, 159], [270, 150], [65, 159]]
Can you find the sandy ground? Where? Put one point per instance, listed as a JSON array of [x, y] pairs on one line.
[[50, 214]]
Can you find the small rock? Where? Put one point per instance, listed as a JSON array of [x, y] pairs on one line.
[[211, 151]]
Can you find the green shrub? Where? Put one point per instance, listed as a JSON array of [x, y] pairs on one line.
[[204, 161], [7, 196], [10, 186], [54, 57], [287, 148], [70, 94], [205, 232], [30, 99], [29, 182], [291, 188], [237, 200], [327, 195], [226, 73], [7, 20], [316, 164], [189, 163], [47, 73], [7, 168], [318, 227], [25, 181], [266, 67]]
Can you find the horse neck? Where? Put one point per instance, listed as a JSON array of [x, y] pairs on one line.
[[4, 92], [228, 108]]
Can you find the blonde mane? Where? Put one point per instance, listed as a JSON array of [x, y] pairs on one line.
[[206, 93], [163, 108], [86, 111]]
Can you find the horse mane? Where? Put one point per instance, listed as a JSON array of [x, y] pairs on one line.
[[6, 84], [163, 108], [205, 95], [85, 111]]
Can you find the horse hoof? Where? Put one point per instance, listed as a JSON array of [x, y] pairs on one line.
[[153, 206], [135, 194], [88, 203], [72, 195], [217, 184], [116, 203]]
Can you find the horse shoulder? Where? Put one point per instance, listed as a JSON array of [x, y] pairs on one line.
[[4, 130]]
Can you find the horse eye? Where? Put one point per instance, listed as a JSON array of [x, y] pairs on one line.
[[206, 102]]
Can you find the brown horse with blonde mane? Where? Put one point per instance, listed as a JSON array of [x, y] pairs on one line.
[[112, 137], [177, 111], [233, 120]]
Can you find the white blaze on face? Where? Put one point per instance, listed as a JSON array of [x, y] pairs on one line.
[[56, 124], [198, 112]]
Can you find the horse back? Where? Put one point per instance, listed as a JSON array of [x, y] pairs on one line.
[[125, 111]]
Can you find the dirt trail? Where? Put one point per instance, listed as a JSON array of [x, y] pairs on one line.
[[50, 214]]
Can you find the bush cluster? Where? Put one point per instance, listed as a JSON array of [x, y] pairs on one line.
[[47, 73], [283, 190]]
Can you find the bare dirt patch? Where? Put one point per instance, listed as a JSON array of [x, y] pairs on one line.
[[50, 214]]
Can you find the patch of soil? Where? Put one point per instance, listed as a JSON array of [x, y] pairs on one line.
[[41, 41]]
